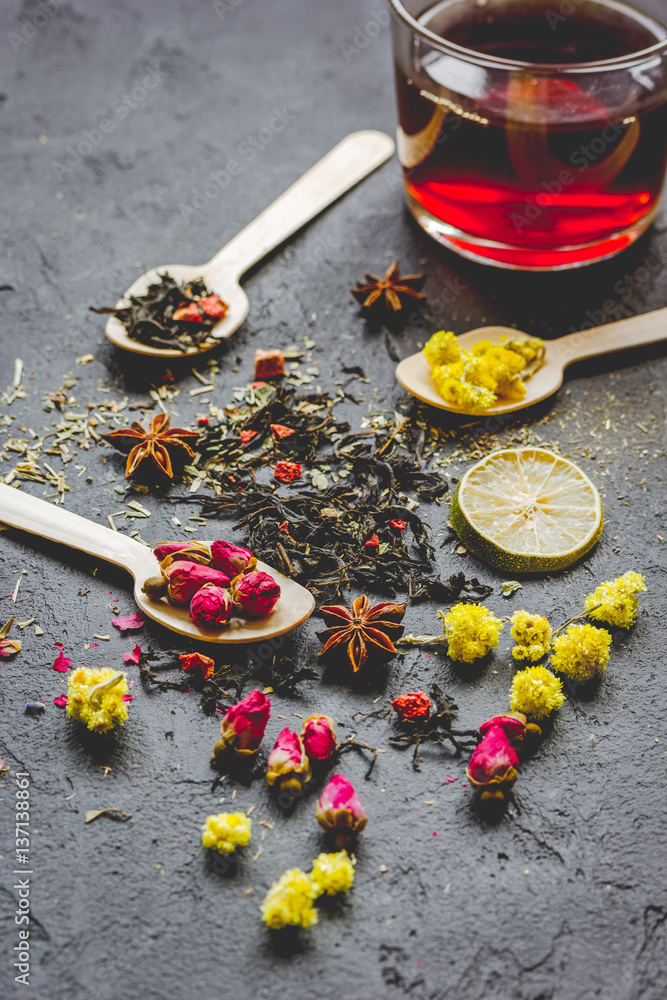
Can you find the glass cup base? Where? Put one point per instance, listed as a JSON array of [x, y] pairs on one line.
[[514, 258]]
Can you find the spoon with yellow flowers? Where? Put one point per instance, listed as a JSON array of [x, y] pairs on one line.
[[496, 369], [179, 310]]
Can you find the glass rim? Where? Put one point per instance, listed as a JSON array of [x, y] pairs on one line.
[[628, 61]]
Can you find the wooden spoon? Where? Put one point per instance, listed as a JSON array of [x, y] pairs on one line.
[[414, 373], [20, 510], [348, 163]]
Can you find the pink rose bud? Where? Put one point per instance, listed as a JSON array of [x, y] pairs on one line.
[[243, 725], [514, 724], [288, 765], [493, 763], [415, 705], [231, 559], [319, 737], [196, 551], [211, 607], [255, 594], [185, 578], [340, 812]]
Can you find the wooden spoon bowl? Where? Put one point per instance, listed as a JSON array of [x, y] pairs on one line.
[[28, 513], [414, 373]]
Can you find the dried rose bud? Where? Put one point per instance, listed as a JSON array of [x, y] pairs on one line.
[[155, 588], [493, 763], [319, 737], [288, 765], [269, 364], [196, 661], [213, 306], [187, 313], [243, 725], [211, 607], [255, 594], [415, 705], [231, 559], [514, 724], [195, 551], [184, 579], [340, 812]]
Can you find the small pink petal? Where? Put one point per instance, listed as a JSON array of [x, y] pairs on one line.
[[450, 779], [129, 697], [94, 644], [129, 623], [62, 663], [133, 657], [60, 701]]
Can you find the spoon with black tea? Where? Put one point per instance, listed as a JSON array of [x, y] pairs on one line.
[[349, 162]]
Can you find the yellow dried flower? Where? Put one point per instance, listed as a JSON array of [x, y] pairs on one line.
[[532, 634], [95, 697], [618, 600], [536, 692], [581, 652], [471, 631], [458, 393], [332, 873], [226, 831], [473, 380], [442, 348], [289, 901]]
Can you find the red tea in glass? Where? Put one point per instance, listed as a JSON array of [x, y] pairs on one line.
[[530, 137]]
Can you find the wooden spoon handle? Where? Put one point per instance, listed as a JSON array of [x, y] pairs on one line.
[[20, 510], [347, 163], [637, 331]]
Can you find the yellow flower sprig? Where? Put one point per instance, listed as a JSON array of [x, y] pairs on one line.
[[289, 901], [226, 831], [95, 697]]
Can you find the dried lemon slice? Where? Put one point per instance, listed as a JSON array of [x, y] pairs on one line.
[[527, 510]]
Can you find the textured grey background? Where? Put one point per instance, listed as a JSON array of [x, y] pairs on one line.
[[565, 898]]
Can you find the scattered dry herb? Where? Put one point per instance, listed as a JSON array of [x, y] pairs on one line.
[[435, 729]]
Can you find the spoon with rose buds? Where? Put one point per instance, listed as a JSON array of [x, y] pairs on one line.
[[414, 373], [20, 510], [349, 162]]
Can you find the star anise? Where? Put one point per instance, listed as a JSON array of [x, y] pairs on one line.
[[365, 631], [160, 444], [389, 294]]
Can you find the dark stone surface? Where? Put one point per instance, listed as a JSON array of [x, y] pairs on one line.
[[565, 898]]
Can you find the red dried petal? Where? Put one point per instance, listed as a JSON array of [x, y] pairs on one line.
[[133, 657], [280, 431], [189, 314], [62, 663], [129, 623], [247, 436], [287, 472], [372, 543], [396, 523], [213, 306], [284, 527]]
